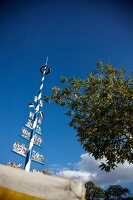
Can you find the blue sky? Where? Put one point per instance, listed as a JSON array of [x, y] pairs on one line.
[[75, 35]]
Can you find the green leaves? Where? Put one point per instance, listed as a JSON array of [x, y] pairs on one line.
[[116, 192], [63, 79], [113, 192], [101, 111], [93, 192]]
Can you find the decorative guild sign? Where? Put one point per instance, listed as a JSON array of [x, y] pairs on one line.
[[39, 120], [38, 129], [25, 134], [20, 149], [37, 139], [31, 115], [29, 124], [37, 157]]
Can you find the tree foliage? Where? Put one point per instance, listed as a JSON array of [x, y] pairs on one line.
[[93, 192], [116, 192], [101, 111], [113, 192]]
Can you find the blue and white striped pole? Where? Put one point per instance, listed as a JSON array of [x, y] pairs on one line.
[[44, 70]]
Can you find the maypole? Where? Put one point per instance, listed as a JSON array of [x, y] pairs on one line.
[[32, 131]]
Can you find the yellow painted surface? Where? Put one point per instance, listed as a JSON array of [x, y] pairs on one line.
[[83, 198], [16, 184], [6, 194]]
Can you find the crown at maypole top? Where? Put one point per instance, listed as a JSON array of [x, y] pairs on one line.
[[45, 69]]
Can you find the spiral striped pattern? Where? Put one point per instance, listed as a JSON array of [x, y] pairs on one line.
[[29, 153]]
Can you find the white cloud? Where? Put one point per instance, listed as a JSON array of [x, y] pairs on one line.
[[88, 170], [82, 175]]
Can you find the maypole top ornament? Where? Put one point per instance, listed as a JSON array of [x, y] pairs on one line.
[[45, 67]]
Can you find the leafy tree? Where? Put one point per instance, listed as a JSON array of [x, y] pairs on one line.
[[101, 111], [113, 192], [93, 192], [116, 192]]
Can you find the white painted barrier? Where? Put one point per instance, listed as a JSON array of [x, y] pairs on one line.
[[16, 184]]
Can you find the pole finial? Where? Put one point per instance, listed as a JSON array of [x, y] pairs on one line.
[[46, 61], [45, 68]]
